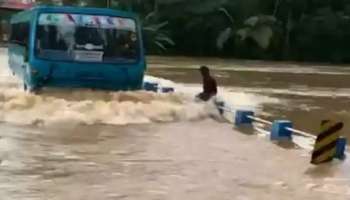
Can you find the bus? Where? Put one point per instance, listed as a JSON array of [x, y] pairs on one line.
[[76, 47]]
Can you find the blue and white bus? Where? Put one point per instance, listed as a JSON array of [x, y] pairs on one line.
[[77, 47]]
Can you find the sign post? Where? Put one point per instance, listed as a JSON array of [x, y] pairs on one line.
[[326, 143]]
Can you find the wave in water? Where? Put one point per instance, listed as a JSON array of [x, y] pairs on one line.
[[76, 106]]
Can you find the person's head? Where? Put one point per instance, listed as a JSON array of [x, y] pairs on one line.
[[204, 71]]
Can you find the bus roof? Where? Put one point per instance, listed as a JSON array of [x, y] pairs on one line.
[[27, 15]]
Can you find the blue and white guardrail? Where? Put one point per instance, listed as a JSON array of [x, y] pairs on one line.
[[155, 87], [280, 130]]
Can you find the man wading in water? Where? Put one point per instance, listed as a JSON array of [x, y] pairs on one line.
[[209, 85]]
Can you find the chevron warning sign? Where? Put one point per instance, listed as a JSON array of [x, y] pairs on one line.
[[325, 145]]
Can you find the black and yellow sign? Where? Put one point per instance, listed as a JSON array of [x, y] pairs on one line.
[[326, 142]]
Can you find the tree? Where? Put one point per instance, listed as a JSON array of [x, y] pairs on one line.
[[316, 30]]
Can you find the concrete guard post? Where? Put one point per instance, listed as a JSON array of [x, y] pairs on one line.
[[220, 105], [340, 148], [152, 87], [167, 90], [279, 131], [242, 117], [328, 144]]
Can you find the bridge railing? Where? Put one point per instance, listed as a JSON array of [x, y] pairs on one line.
[[328, 144], [282, 130]]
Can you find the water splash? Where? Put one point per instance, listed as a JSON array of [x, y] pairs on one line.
[[76, 106]]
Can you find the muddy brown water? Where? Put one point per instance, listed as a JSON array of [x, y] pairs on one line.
[[192, 158], [308, 94]]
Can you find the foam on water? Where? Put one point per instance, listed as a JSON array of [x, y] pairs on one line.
[[233, 99], [56, 107], [5, 78], [106, 108], [65, 107]]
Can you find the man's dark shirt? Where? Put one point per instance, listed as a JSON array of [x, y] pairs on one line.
[[209, 85]]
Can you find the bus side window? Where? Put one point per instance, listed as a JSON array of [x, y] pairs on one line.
[[20, 36], [20, 33]]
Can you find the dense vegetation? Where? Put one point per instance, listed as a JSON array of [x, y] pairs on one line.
[[303, 30]]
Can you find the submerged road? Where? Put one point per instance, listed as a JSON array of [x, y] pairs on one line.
[[202, 159]]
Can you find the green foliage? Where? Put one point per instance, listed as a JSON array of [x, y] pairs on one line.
[[156, 38], [258, 28], [306, 30]]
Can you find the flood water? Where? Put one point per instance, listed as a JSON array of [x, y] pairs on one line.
[[307, 94], [84, 144]]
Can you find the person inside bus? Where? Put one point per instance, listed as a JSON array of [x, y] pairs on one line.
[[126, 45], [130, 45], [209, 85]]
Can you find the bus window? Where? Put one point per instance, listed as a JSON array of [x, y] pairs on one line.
[[87, 38], [4, 27], [20, 34]]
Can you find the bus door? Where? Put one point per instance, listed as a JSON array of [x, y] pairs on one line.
[[19, 49]]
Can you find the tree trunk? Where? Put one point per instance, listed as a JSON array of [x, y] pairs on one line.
[[277, 5], [155, 8], [287, 36]]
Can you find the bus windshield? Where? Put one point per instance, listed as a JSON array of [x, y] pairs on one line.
[[86, 38]]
